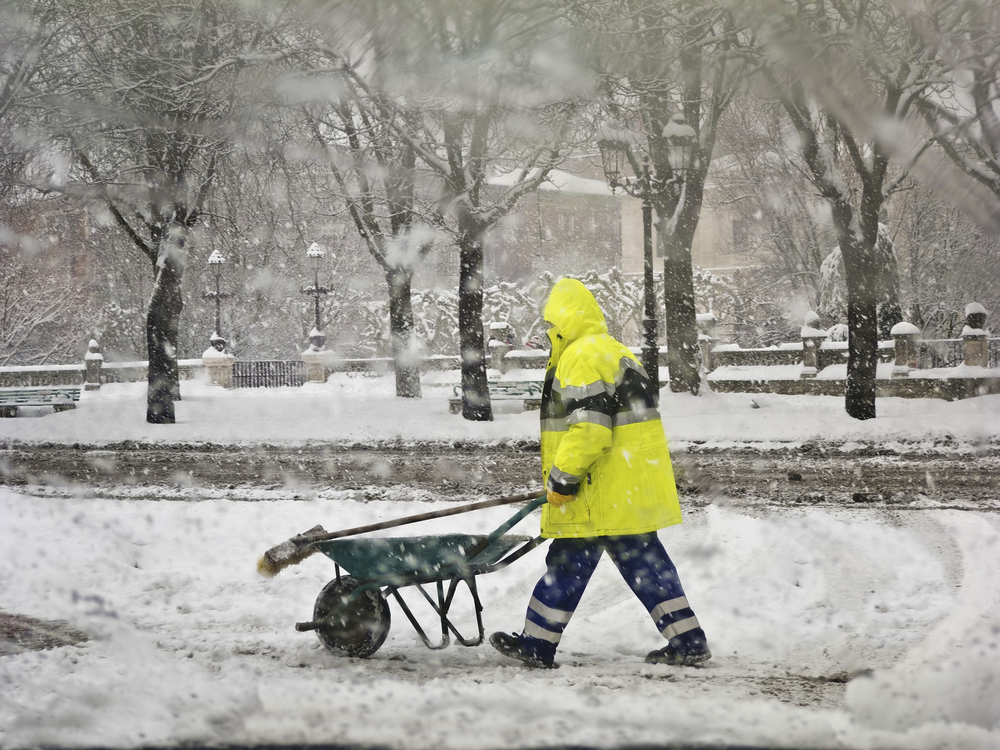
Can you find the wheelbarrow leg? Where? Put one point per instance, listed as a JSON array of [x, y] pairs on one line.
[[443, 610], [443, 607], [413, 620], [477, 605]]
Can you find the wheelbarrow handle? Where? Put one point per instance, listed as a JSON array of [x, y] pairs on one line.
[[538, 498], [539, 501]]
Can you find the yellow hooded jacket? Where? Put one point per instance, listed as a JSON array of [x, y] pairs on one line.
[[602, 439]]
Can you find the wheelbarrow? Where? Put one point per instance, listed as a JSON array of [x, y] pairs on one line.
[[351, 616]]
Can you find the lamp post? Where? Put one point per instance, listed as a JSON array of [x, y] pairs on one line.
[[315, 253], [614, 153], [617, 148], [215, 263]]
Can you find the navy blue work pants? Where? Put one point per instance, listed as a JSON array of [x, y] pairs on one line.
[[646, 568]]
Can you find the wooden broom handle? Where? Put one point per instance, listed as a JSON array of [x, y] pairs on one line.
[[326, 536]]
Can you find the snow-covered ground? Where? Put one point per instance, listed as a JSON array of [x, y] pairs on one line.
[[189, 644]]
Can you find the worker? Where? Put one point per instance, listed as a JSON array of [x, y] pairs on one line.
[[610, 487]]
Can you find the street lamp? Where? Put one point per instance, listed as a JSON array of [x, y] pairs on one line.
[[616, 148], [315, 253], [215, 263], [614, 153], [680, 139]]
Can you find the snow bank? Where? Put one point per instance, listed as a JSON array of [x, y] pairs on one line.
[[954, 678], [963, 689], [190, 645]]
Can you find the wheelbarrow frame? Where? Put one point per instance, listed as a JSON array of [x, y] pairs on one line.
[[462, 568]]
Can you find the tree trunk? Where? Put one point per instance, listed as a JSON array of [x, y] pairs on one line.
[[678, 288], [162, 324], [861, 271], [407, 365], [682, 331], [475, 390]]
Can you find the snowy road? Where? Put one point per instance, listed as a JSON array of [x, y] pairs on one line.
[[815, 474], [188, 644]]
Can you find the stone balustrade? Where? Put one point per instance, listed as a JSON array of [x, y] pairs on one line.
[[812, 361]]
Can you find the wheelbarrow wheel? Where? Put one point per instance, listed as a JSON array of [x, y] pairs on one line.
[[359, 626]]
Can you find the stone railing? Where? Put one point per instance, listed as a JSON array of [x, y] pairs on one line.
[[810, 366], [819, 351], [91, 373], [28, 377]]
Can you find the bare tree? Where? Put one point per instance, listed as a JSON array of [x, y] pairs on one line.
[[458, 85], [37, 326], [350, 119], [960, 104], [779, 226], [267, 208], [667, 67], [946, 261], [30, 34], [149, 120], [872, 41]]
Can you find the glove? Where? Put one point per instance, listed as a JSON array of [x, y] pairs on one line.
[[554, 498]]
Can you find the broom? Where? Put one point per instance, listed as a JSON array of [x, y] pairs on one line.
[[299, 547]]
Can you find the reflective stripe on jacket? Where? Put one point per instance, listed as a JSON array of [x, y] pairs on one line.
[[602, 439]]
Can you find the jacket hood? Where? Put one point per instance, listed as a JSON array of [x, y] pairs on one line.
[[572, 309]]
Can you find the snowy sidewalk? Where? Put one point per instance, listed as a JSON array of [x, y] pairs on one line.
[[189, 645], [361, 409]]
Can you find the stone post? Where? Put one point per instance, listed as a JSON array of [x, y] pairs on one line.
[[812, 338], [501, 342], [316, 357], [904, 337], [706, 338], [93, 360], [977, 352], [316, 365], [218, 364]]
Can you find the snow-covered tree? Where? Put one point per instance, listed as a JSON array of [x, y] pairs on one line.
[[466, 88], [668, 70], [846, 157], [889, 310], [832, 288], [148, 118], [946, 260], [36, 325]]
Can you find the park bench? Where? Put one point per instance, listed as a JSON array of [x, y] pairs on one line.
[[59, 397], [527, 391]]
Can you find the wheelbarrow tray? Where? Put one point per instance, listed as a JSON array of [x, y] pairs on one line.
[[402, 560]]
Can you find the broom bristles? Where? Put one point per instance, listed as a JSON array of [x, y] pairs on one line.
[[288, 553], [270, 565]]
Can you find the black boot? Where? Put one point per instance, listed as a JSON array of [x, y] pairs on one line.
[[669, 655], [520, 648]]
